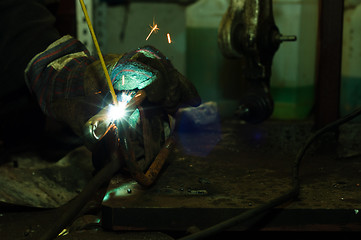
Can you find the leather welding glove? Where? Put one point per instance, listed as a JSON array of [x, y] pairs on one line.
[[148, 69], [71, 87]]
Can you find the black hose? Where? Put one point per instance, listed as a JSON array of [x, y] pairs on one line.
[[292, 194]]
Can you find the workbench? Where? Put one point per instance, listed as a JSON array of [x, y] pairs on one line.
[[214, 175], [219, 171]]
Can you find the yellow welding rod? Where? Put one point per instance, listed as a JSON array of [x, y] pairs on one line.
[[99, 52]]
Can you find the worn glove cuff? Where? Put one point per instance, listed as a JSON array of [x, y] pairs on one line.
[[57, 72]]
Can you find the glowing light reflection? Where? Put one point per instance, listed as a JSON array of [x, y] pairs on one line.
[[123, 190], [119, 111]]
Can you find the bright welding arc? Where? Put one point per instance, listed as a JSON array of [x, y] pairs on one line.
[[119, 111]]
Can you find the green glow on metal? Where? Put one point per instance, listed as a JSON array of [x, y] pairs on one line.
[[120, 191]]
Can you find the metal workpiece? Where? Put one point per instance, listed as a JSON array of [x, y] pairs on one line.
[[95, 128], [145, 171], [248, 31], [148, 177], [142, 148]]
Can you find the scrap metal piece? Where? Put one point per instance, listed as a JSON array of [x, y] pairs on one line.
[[39, 183], [147, 178], [155, 154]]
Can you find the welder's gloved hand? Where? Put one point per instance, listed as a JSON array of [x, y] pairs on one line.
[[148, 69], [71, 87]]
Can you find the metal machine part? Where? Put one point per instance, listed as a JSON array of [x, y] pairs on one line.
[[248, 31]]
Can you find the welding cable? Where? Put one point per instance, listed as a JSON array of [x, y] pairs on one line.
[[104, 175], [290, 195]]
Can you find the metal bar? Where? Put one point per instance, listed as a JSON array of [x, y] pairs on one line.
[[180, 219], [147, 178], [329, 62]]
